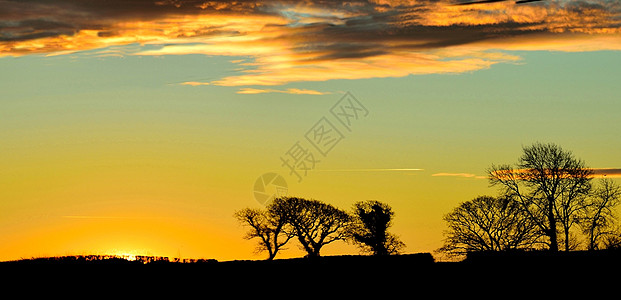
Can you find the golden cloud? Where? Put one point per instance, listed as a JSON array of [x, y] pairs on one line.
[[287, 91], [464, 175], [297, 41], [526, 174], [194, 83]]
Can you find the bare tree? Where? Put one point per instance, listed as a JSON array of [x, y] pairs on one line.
[[599, 219], [489, 224], [370, 230], [315, 223], [613, 240], [550, 185], [269, 226]]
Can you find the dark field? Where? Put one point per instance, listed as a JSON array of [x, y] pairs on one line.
[[518, 272]]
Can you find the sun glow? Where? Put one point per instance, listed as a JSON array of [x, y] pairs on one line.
[[127, 255]]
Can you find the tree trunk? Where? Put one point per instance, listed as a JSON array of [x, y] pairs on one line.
[[552, 230], [592, 236], [314, 254]]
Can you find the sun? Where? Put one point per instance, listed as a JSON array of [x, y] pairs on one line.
[[127, 255]]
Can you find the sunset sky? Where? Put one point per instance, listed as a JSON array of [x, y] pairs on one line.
[[139, 127]]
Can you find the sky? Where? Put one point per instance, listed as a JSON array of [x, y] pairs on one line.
[[139, 127]]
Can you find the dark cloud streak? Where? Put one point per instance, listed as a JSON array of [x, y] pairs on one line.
[[613, 172], [494, 1], [32, 19]]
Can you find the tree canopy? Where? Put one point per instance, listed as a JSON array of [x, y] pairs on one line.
[[370, 230], [314, 224], [550, 185], [488, 223]]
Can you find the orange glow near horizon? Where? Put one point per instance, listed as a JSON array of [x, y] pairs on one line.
[[140, 130]]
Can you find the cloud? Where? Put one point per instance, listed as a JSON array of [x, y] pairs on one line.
[[607, 172], [298, 41], [596, 173], [370, 170], [194, 83], [523, 173], [465, 175], [287, 91]]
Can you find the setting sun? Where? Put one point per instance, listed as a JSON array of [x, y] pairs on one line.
[[125, 255]]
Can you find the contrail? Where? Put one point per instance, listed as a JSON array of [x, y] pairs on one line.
[[367, 170]]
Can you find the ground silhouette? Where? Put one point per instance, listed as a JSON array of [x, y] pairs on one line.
[[405, 271]]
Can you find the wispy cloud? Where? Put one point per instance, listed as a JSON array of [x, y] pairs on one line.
[[465, 175], [607, 172], [194, 83], [287, 91], [594, 173], [289, 41], [369, 170], [597, 173]]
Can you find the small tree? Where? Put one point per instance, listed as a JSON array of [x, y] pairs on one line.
[[370, 230], [488, 224], [599, 221], [315, 223], [269, 226]]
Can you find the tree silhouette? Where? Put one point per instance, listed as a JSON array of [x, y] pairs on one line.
[[370, 230], [269, 226], [599, 219], [314, 223], [488, 224], [613, 240], [550, 185]]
